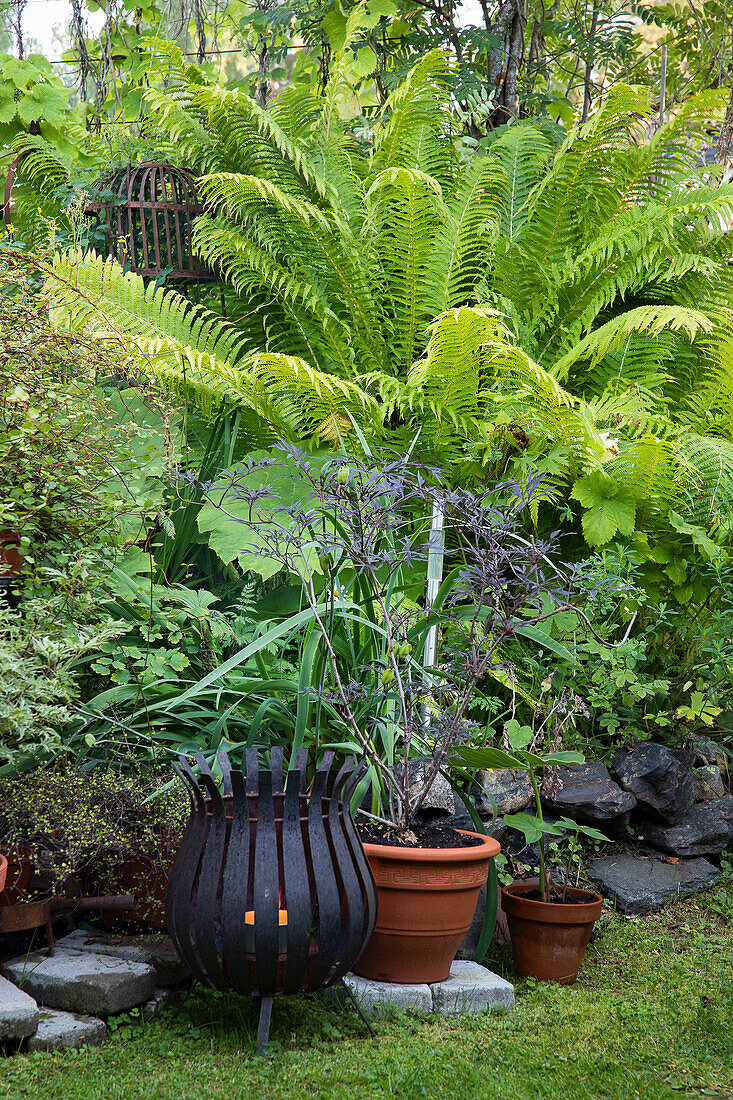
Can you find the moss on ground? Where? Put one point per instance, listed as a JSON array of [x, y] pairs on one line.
[[650, 1017]]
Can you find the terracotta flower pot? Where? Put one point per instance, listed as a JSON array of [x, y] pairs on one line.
[[3, 872], [11, 555], [549, 938], [18, 876], [426, 898]]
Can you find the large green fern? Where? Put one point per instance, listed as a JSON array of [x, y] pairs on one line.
[[577, 294]]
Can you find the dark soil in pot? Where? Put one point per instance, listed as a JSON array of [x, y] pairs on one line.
[[425, 836]]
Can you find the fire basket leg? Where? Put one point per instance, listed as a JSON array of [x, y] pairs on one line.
[[263, 1031], [357, 1006]]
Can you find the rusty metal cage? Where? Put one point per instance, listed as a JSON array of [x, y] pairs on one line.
[[149, 220]]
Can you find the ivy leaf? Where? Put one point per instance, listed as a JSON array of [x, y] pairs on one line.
[[8, 106], [364, 63]]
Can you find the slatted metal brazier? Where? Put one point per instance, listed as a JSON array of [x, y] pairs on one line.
[[271, 891]]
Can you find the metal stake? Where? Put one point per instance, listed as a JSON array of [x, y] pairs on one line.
[[263, 1031], [357, 1006]]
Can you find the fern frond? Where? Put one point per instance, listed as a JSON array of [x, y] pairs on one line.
[[416, 122], [463, 245], [652, 319]]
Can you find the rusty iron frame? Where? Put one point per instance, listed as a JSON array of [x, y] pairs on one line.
[[159, 202]]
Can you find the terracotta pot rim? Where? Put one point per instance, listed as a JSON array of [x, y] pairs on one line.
[[551, 912], [486, 850]]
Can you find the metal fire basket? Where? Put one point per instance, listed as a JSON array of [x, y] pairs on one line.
[[271, 891]]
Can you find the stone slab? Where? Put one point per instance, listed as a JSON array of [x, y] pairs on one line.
[[378, 998], [642, 884], [67, 1031], [78, 981], [19, 1013], [471, 988], [154, 949]]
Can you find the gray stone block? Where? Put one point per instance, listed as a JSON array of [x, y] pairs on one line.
[[503, 791], [377, 998], [154, 949], [78, 981], [19, 1013], [641, 884], [471, 988], [66, 1031], [439, 798]]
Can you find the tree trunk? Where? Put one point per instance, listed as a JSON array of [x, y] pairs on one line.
[[587, 82], [263, 84], [505, 60], [724, 152]]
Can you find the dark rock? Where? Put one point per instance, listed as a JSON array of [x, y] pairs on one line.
[[586, 792], [708, 752], [515, 844], [705, 829], [660, 782], [503, 791], [708, 783], [641, 884]]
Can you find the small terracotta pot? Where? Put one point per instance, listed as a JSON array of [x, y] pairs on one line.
[[426, 898], [19, 874], [3, 872], [549, 938], [11, 555]]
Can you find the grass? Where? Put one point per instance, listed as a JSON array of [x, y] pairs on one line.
[[650, 1017]]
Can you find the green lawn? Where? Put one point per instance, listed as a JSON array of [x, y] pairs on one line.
[[651, 1017]]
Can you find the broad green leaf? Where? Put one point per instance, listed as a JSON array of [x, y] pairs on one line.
[[705, 545], [608, 518], [364, 63], [489, 757], [519, 736], [223, 519], [532, 827], [542, 638]]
